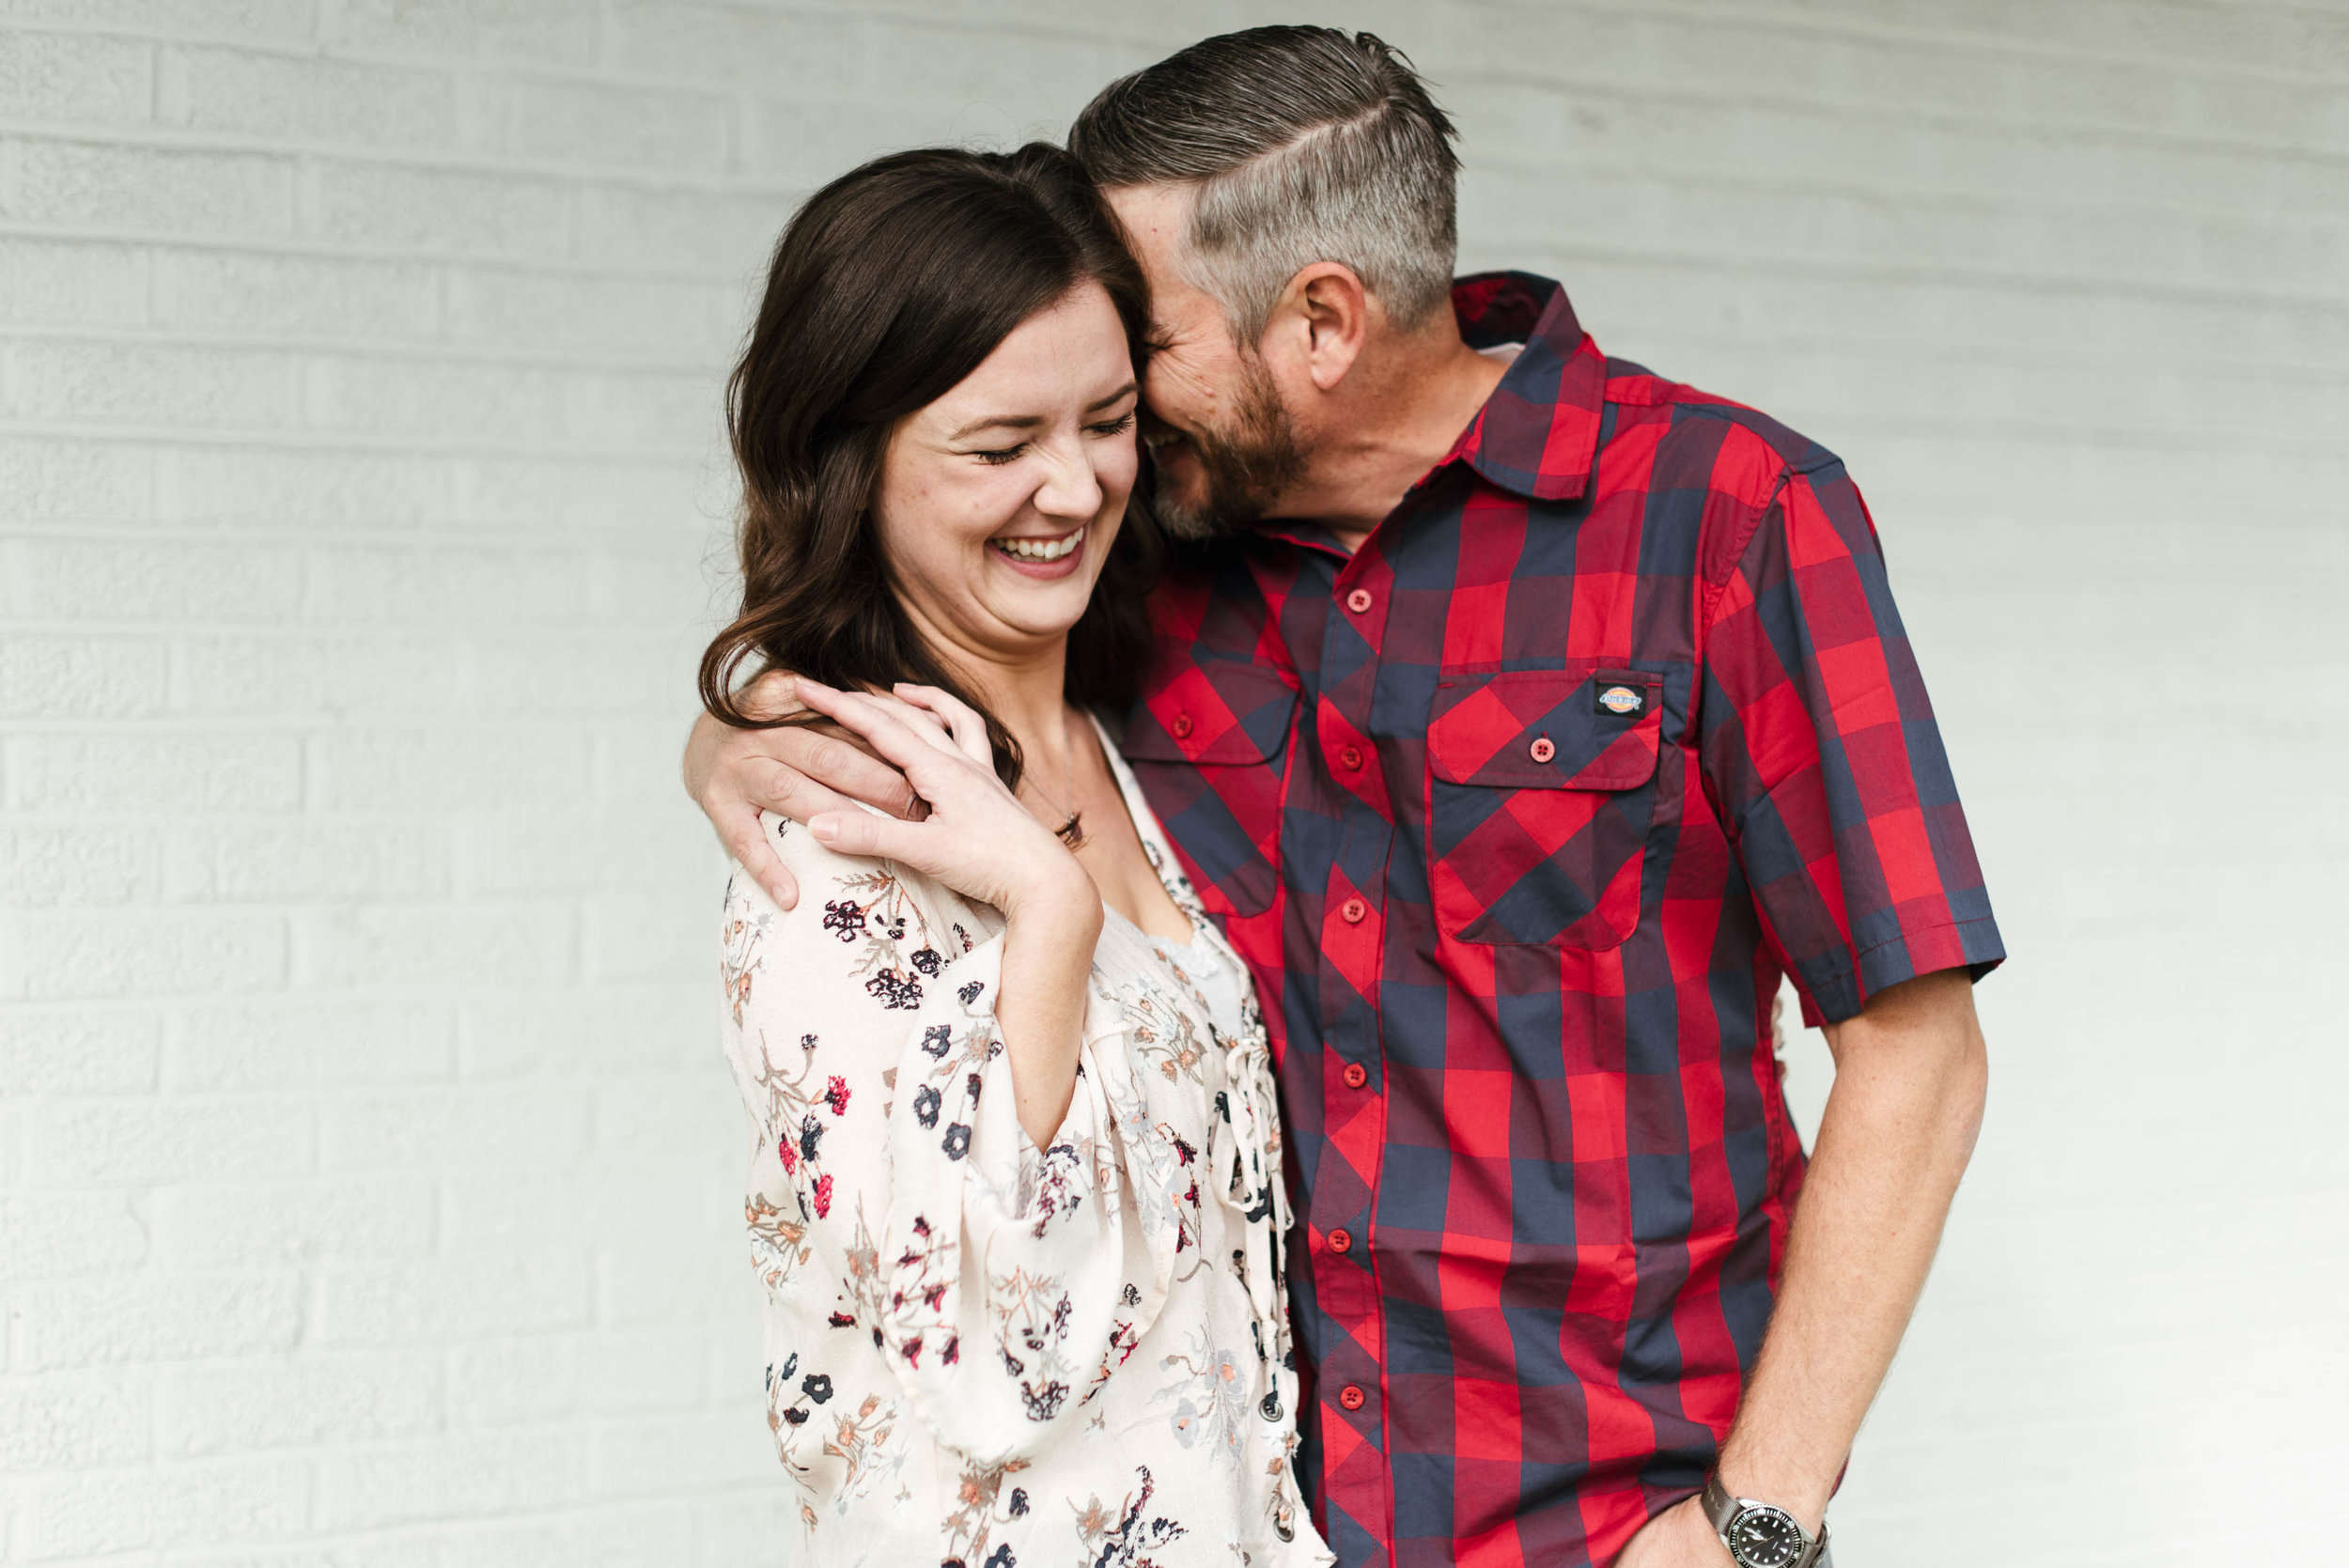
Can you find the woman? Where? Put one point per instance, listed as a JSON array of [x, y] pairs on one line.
[[1015, 1198]]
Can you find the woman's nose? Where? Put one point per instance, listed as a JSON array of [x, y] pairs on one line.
[[1070, 488]]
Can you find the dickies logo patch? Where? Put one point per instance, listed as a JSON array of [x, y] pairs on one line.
[[1622, 699]]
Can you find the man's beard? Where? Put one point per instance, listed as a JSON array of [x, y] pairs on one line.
[[1247, 465]]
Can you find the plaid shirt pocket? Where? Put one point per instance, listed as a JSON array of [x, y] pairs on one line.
[[1208, 746], [1541, 786]]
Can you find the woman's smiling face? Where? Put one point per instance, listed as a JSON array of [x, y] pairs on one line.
[[998, 503]]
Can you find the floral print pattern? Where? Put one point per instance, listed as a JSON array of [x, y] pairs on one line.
[[980, 1352]]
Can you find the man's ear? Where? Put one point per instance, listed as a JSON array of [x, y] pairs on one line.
[[1324, 314]]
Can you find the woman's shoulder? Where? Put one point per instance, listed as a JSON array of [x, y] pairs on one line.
[[851, 896], [862, 926]]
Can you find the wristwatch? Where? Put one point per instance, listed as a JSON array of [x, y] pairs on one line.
[[1757, 1534]]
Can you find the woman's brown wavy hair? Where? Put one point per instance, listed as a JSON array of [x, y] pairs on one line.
[[890, 286]]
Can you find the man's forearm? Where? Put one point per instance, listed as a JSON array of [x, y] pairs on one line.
[[1898, 1129]]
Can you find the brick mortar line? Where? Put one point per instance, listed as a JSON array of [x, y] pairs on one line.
[[325, 439], [256, 726], [1764, 19], [1934, 119], [158, 631], [504, 538], [421, 537], [1752, 20], [749, 275], [317, 47], [2121, 438], [737, 178], [1517, 157], [493, 354], [582, 180], [438, 351], [149, 136], [1934, 352], [162, 243], [355, 447], [1940, 353], [330, 352], [1893, 275], [1891, 271], [2070, 433], [171, 1010], [507, 539], [1910, 198]]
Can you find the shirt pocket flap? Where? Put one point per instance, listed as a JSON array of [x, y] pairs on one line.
[[1546, 729], [1214, 712]]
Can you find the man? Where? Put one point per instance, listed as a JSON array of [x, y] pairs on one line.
[[1524, 715]]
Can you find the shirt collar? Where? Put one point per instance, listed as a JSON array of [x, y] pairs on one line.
[[1538, 433]]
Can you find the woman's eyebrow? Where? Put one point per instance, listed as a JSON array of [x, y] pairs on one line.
[[1113, 398], [999, 422], [1030, 421]]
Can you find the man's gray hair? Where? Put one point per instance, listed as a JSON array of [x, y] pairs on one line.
[[1305, 145]]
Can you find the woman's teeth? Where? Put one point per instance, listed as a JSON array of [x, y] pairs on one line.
[[1040, 550], [1161, 437]]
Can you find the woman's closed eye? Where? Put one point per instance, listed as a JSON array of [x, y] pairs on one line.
[[999, 456]]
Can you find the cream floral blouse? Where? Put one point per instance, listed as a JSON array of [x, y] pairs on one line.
[[980, 1352]]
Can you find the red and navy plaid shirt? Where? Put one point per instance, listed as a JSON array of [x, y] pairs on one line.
[[1518, 815]]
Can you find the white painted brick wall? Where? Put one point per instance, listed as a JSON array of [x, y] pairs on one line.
[[367, 1178]]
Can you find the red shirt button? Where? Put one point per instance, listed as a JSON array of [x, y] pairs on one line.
[[1182, 725], [1350, 1396], [1542, 749], [1350, 758], [1359, 601], [1355, 1075], [1353, 909], [1341, 1241]]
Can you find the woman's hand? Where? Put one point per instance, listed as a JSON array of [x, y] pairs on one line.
[[977, 839], [981, 842]]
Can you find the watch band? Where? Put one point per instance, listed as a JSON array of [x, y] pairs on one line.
[[1722, 1511], [1719, 1507]]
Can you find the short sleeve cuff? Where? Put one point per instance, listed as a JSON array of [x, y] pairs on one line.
[[1836, 985]]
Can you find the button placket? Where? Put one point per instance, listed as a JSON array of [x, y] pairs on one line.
[[1352, 967]]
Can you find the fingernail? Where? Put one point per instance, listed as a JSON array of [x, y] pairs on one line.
[[825, 829], [783, 900]]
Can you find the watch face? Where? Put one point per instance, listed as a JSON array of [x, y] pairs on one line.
[[1765, 1538]]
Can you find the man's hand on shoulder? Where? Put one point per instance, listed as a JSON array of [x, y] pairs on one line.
[[795, 772], [1680, 1537]]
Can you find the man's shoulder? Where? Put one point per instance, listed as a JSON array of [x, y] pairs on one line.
[[1738, 449], [1215, 593]]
